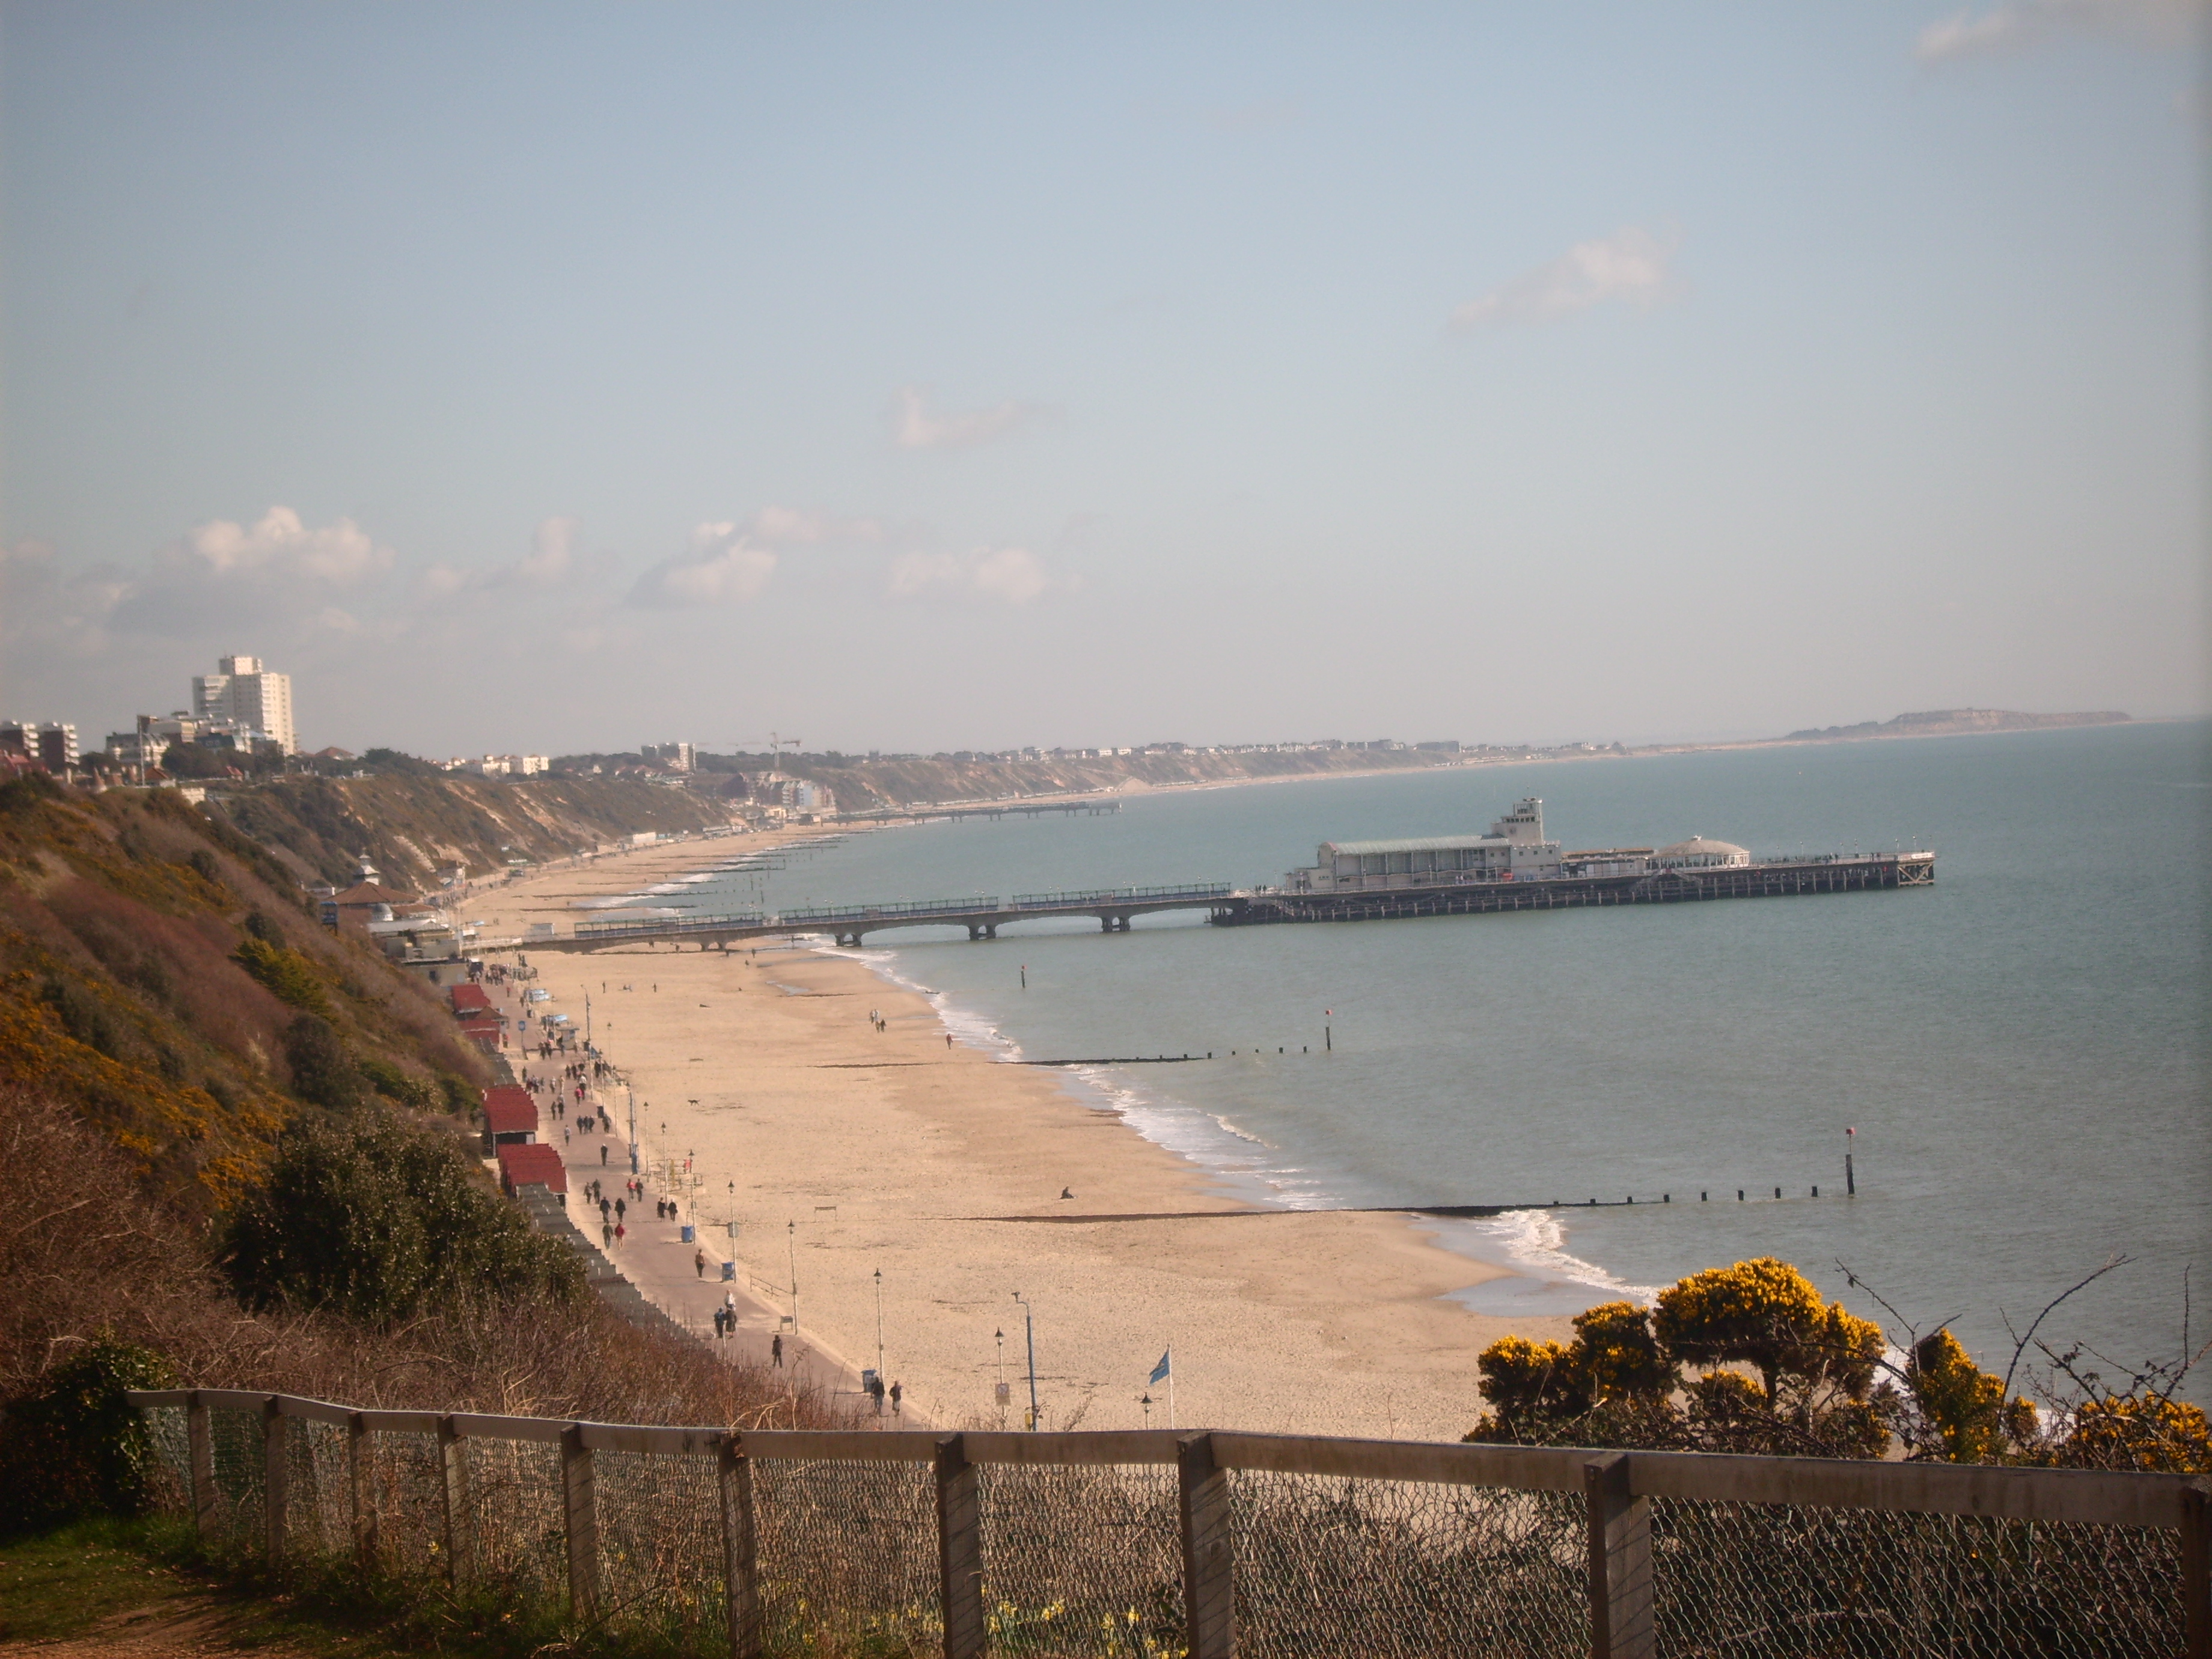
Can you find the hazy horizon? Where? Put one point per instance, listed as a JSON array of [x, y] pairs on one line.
[[560, 379]]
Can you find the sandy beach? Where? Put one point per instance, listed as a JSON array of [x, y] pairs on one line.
[[841, 1151]]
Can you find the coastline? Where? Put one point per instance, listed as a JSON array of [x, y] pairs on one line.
[[841, 1151]]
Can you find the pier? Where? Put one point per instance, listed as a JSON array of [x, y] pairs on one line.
[[1226, 906], [1095, 808], [849, 924], [1477, 895]]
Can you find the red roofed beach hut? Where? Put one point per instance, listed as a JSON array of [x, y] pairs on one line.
[[470, 1000], [510, 1119], [533, 1166]]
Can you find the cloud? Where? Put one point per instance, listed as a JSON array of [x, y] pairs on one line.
[[1630, 265], [2017, 25], [340, 553], [1012, 575], [726, 560], [276, 572], [550, 561], [720, 563], [918, 428]]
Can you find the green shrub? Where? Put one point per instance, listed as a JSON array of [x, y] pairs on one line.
[[382, 1222], [323, 1073], [73, 1445], [290, 975], [393, 1083]]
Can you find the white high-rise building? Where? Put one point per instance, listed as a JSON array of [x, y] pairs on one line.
[[249, 696]]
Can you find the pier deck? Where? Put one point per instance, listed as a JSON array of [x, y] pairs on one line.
[[1231, 907]]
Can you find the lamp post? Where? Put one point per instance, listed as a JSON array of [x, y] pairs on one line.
[[632, 1094], [1029, 1326], [879, 1321], [791, 1231]]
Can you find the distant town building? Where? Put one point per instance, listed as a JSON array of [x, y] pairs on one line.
[[675, 756], [247, 698], [50, 745]]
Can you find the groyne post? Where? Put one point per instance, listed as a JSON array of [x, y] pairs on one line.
[[740, 1551], [1209, 1582], [273, 1471], [199, 1443], [1620, 1610], [580, 1520], [960, 1551]]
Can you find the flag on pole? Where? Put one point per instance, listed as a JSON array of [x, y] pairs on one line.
[[1161, 1371]]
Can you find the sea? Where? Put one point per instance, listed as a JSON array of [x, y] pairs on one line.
[[2015, 1058]]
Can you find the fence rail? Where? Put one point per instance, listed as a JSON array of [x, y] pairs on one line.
[[1124, 894], [1207, 1544]]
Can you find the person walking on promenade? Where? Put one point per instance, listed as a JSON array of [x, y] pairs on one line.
[[618, 1232], [776, 1350], [603, 1154], [606, 1235], [896, 1392], [699, 1261]]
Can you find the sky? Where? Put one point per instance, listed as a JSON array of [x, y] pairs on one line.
[[558, 378]]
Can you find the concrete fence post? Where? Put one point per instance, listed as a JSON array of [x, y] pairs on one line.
[[274, 1471], [740, 1551], [453, 1487], [1620, 1611], [580, 1514], [1209, 1578], [199, 1446], [361, 1491], [960, 1551]]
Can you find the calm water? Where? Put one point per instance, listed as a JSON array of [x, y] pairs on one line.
[[2021, 1048]]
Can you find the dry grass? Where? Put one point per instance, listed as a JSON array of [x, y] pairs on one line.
[[87, 1251]]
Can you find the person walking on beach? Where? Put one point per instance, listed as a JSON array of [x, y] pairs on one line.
[[776, 1350]]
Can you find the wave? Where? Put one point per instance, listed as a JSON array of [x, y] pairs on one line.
[[1240, 1159], [1545, 1279]]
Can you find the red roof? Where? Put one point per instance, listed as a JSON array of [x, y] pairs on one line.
[[509, 1111], [532, 1166], [471, 998]]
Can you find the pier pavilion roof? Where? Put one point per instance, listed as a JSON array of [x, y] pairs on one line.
[[1697, 847], [1416, 844]]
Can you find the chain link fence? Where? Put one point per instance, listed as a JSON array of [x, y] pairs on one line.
[[1148, 1546]]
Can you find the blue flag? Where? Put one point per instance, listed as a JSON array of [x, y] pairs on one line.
[[1160, 1370]]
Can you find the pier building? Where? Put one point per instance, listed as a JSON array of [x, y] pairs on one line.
[[1515, 849]]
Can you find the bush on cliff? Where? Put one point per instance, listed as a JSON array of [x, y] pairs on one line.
[[379, 1221]]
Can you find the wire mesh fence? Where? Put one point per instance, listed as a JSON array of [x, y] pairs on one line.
[[1389, 1567], [848, 1556], [1753, 1580], [1098, 1546]]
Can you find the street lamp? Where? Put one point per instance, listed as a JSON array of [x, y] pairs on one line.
[[879, 1321], [1029, 1325], [791, 1231]]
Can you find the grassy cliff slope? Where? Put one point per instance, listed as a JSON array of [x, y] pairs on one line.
[[411, 826]]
